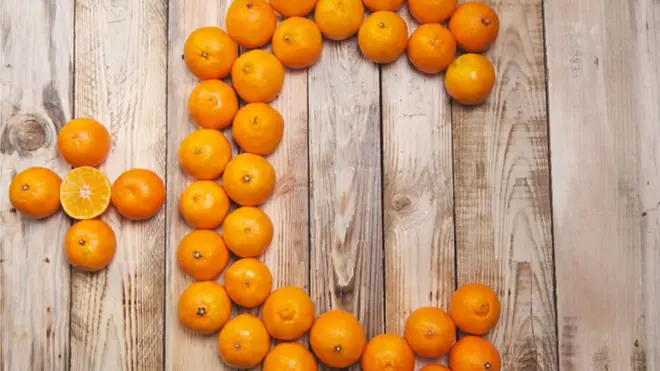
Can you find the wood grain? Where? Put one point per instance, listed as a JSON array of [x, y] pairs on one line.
[[606, 186], [418, 195], [120, 80], [345, 185], [36, 85], [503, 216]]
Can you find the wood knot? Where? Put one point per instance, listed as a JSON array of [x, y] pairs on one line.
[[401, 203], [25, 134]]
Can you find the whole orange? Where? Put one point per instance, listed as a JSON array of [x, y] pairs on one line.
[[204, 204], [203, 154], [295, 8], [251, 23], [243, 342], [337, 338], [475, 26], [248, 282], [138, 194], [475, 308], [473, 353], [212, 104], [387, 352], [431, 11], [434, 367], [249, 179], [377, 5], [297, 42], [339, 19], [85, 193], [209, 53], [289, 357], [204, 307], [288, 313], [248, 231], [430, 332], [431, 48], [258, 128], [258, 76], [35, 192], [202, 255], [470, 79], [90, 245], [383, 37], [83, 142]]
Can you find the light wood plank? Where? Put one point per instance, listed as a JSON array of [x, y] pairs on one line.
[[345, 185], [604, 109], [120, 79], [503, 215], [418, 199], [36, 52]]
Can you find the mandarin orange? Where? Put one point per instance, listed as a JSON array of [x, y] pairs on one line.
[[90, 245], [209, 53], [35, 192]]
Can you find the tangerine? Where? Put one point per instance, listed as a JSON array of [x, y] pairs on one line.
[[431, 48], [204, 307], [249, 179], [377, 5], [431, 11], [251, 23], [296, 8], [248, 231], [258, 128], [337, 338], [387, 352], [248, 282], [138, 194], [243, 342], [475, 308], [209, 53], [474, 353], [297, 42], [202, 254], [212, 104], [339, 19], [383, 37], [475, 26], [203, 154], [258, 76], [36, 192], [83, 142], [430, 332], [470, 79], [290, 357], [288, 313], [204, 204], [85, 193], [90, 245]]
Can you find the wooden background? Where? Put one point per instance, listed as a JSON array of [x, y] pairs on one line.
[[389, 195]]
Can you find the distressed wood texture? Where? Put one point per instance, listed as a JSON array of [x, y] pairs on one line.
[[605, 108], [36, 70], [345, 185], [120, 80], [503, 215], [418, 199]]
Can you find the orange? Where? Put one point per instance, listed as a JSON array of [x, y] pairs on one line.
[[377, 5], [470, 79], [289, 357], [85, 193], [204, 307], [475, 308], [339, 19], [473, 353], [212, 104], [288, 313], [90, 245], [204, 204], [297, 42], [431, 48], [209, 53], [248, 282], [383, 37], [248, 231], [337, 338], [243, 342], [138, 194], [203, 154], [258, 76], [293, 8], [387, 352], [430, 332], [249, 179], [258, 128], [251, 23], [434, 367], [83, 142], [35, 192], [202, 255], [431, 11], [474, 26]]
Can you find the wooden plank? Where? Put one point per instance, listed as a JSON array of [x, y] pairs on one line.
[[35, 101], [345, 185], [418, 198], [120, 79], [503, 214], [604, 108]]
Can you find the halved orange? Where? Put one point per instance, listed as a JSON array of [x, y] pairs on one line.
[[85, 193]]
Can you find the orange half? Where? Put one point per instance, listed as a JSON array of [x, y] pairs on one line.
[[85, 193]]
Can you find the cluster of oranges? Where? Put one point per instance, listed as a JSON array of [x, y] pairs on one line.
[[85, 193]]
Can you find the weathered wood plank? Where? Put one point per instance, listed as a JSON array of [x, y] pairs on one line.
[[418, 195], [604, 109], [36, 53], [345, 185], [120, 79], [503, 215]]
